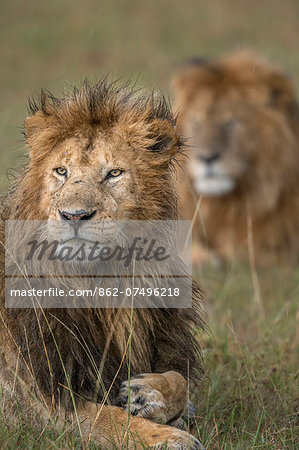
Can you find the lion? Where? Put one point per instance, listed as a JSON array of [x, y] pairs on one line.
[[241, 183], [100, 153]]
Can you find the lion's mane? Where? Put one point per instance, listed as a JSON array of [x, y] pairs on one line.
[[71, 345], [263, 210]]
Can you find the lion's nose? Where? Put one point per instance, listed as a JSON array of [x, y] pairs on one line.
[[77, 215], [209, 159]]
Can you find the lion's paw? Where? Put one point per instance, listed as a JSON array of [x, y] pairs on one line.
[[183, 441], [143, 400]]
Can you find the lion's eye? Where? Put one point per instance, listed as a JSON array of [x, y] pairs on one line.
[[61, 171], [114, 173]]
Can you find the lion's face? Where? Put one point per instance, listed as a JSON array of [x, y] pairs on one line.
[[98, 157], [88, 181], [236, 113], [91, 183], [219, 150]]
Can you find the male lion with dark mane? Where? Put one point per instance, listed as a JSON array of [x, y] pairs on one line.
[[101, 153], [242, 182]]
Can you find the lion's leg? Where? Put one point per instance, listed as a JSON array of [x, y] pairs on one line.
[[159, 397], [112, 427]]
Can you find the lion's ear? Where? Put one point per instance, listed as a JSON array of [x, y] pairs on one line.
[[281, 92], [36, 132], [163, 139], [38, 121], [190, 73], [195, 75], [33, 125]]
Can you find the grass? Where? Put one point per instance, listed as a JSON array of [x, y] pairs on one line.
[[247, 399]]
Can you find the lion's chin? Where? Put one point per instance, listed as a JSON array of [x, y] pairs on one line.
[[214, 186], [76, 242]]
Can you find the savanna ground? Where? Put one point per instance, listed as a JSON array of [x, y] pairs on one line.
[[248, 398]]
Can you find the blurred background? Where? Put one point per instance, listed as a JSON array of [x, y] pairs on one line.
[[49, 44]]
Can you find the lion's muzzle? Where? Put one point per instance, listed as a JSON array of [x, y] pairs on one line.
[[75, 219]]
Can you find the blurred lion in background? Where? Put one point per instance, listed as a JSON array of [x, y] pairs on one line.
[[241, 183]]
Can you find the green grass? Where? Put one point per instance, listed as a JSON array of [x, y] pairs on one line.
[[248, 397]]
